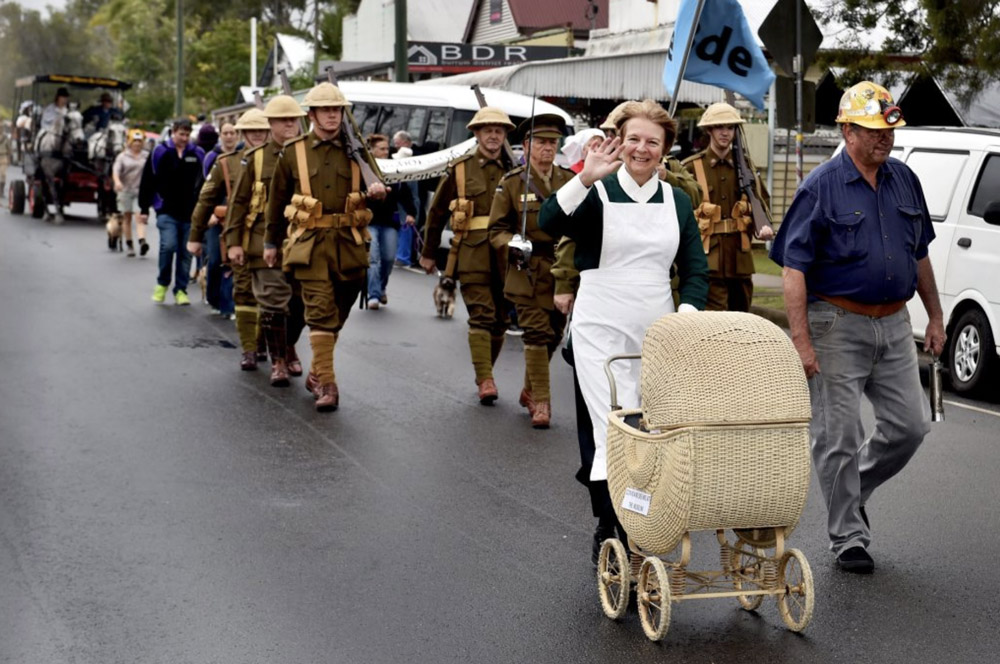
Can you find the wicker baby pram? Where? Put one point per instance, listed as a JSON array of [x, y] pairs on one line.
[[721, 442]]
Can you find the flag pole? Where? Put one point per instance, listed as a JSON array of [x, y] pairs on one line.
[[687, 54]]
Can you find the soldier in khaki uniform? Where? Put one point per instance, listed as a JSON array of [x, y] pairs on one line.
[[531, 288], [281, 309], [724, 215], [316, 213], [465, 194], [211, 208]]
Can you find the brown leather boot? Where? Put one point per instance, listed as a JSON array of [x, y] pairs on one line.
[[294, 364], [327, 398], [312, 384], [279, 373], [541, 415], [249, 361], [487, 391], [527, 401]]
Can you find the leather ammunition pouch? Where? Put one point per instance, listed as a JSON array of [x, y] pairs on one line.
[[709, 215]]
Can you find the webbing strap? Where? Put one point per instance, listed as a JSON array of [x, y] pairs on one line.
[[300, 157], [460, 178], [699, 172], [225, 176], [258, 165]]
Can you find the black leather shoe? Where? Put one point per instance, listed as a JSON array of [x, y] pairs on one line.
[[856, 560], [602, 533]]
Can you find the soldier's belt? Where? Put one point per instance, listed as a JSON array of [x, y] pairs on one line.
[[726, 226], [480, 223], [329, 221]]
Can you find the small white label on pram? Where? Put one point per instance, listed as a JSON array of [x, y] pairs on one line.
[[636, 501]]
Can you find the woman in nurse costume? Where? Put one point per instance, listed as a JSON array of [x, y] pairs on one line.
[[629, 228]]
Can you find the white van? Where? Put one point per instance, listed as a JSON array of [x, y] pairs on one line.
[[959, 169]]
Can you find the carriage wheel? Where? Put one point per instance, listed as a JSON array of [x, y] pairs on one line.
[[653, 598], [796, 604], [748, 569], [16, 197], [36, 199], [613, 578]]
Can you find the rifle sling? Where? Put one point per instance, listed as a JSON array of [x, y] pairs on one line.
[[449, 270]]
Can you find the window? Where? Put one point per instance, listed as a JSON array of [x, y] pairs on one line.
[[366, 117], [987, 186], [393, 119], [437, 129], [415, 127], [938, 173], [458, 131]]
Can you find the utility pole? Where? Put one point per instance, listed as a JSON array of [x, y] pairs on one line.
[[315, 39], [402, 67], [179, 95]]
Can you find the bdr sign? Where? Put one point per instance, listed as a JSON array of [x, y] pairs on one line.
[[453, 58]]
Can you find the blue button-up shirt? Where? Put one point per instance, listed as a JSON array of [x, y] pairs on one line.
[[854, 241]]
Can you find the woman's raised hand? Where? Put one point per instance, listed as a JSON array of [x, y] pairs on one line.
[[602, 161]]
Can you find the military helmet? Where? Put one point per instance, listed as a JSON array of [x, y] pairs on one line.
[[611, 122], [251, 120], [869, 105], [546, 125], [283, 106], [325, 94], [490, 115], [720, 113]]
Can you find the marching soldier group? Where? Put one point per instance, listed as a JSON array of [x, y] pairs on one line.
[[295, 221]]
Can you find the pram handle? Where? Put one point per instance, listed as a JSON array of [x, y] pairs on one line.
[[611, 377]]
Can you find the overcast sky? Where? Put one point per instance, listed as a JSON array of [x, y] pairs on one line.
[[40, 5]]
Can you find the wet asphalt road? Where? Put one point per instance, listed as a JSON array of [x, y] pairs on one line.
[[158, 505]]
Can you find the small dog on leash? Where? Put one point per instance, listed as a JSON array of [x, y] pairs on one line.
[[114, 228], [202, 279], [444, 297]]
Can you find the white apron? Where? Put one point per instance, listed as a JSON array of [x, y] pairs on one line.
[[618, 300]]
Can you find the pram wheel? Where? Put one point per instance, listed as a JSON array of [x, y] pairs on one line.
[[653, 598], [613, 578], [748, 570], [795, 578]]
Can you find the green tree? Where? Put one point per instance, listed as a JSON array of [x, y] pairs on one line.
[[331, 26], [956, 41]]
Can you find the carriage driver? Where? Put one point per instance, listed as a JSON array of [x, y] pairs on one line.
[[101, 114], [467, 190], [316, 194]]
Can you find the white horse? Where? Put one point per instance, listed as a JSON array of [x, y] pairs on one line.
[[54, 150], [105, 144]]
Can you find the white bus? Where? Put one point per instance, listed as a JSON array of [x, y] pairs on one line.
[[434, 115]]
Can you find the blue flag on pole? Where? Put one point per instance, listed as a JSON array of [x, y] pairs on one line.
[[724, 52]]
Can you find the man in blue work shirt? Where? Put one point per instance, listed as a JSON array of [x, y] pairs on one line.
[[170, 184], [854, 249]]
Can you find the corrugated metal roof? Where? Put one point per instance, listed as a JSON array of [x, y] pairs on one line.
[[623, 76]]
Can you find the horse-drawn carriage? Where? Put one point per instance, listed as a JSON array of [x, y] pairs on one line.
[[65, 158]]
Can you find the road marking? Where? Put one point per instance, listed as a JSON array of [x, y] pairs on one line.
[[975, 408]]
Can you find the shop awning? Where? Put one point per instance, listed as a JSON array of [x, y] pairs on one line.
[[618, 76]]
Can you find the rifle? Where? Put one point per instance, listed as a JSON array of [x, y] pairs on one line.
[[356, 150], [747, 182], [481, 98]]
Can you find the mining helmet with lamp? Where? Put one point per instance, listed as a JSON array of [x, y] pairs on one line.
[[869, 105]]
